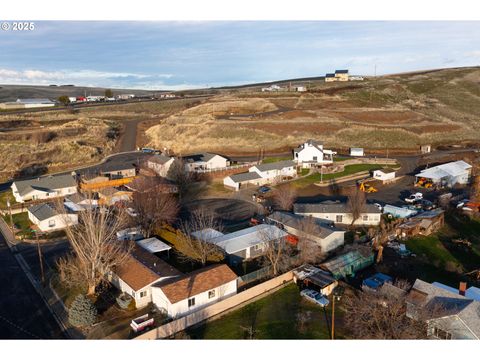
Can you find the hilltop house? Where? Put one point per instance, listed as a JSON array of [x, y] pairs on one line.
[[449, 174], [160, 164], [451, 313], [341, 75], [194, 291], [35, 103], [45, 187], [205, 161], [243, 244], [262, 174], [139, 272], [338, 213], [48, 218], [311, 154], [330, 78], [327, 237]]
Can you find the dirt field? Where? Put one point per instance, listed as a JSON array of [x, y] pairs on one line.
[[394, 112]]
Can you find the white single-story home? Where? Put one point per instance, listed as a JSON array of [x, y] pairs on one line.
[[139, 272], [327, 237], [118, 170], [356, 152], [384, 175], [449, 174], [338, 213], [261, 174], [194, 291], [160, 164], [205, 161], [243, 244], [45, 187], [35, 103], [453, 314], [311, 154], [48, 218]]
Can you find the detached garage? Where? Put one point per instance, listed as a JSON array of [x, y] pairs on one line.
[[385, 175]]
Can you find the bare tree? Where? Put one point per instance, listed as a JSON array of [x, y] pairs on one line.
[[181, 176], [382, 314], [308, 250], [284, 197], [95, 248], [276, 251], [356, 204], [153, 207], [199, 247]]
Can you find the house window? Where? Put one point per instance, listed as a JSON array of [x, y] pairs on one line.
[[51, 223], [191, 302], [314, 158], [211, 294], [365, 217], [257, 247], [143, 293], [339, 218], [441, 334]]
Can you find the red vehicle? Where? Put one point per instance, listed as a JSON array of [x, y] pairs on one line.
[[81, 99]]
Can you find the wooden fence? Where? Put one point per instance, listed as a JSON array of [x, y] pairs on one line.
[[222, 306]]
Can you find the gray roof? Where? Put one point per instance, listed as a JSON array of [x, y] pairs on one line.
[[115, 166], [275, 165], [159, 159], [295, 221], [246, 176], [330, 75], [43, 211], [328, 207], [200, 157], [315, 143], [341, 71], [467, 310], [45, 183]]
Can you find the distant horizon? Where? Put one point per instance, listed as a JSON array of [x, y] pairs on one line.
[[180, 55]]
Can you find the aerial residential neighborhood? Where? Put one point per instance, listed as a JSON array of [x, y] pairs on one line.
[[240, 180]]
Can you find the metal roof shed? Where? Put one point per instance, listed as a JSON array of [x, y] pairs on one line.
[[153, 245]]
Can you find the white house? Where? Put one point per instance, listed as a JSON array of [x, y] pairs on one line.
[[271, 171], [194, 291], [47, 218], [205, 161], [243, 244], [236, 181], [35, 103], [356, 152], [384, 175], [338, 213], [449, 174], [312, 153], [341, 75], [160, 164], [45, 187], [327, 237], [139, 272], [451, 313]]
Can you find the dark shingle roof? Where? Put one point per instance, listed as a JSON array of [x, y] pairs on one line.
[[45, 183], [341, 71], [246, 176], [296, 221], [330, 207], [200, 157], [276, 165], [43, 211], [329, 75], [159, 159]]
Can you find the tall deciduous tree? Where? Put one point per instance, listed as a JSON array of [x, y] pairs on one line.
[[284, 197], [199, 247], [153, 208], [95, 248], [108, 93], [276, 252], [308, 250], [356, 204]]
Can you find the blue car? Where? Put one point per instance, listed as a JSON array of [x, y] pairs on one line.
[[315, 297], [263, 189]]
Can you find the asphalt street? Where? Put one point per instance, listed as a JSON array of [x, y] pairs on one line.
[[23, 314]]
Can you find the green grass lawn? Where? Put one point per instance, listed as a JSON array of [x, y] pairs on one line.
[[432, 248], [349, 170], [340, 158], [277, 316], [269, 160], [21, 222]]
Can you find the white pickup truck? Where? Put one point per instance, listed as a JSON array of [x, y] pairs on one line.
[[414, 198]]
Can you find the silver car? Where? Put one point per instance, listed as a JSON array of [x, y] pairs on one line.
[[315, 297]]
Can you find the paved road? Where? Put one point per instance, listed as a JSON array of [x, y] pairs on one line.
[[23, 314]]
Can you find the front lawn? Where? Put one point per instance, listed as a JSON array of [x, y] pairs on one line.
[[281, 315], [349, 170], [21, 222], [433, 250], [269, 160]]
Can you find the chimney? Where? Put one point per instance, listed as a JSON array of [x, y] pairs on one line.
[[462, 288]]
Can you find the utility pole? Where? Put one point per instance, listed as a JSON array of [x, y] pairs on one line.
[[333, 317], [11, 218], [40, 260]]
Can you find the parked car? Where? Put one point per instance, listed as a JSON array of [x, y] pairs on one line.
[[263, 189], [315, 297], [425, 205], [414, 198]]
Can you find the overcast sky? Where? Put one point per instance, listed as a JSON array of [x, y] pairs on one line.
[[176, 55]]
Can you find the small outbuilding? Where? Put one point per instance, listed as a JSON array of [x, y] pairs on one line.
[[385, 175], [356, 152]]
